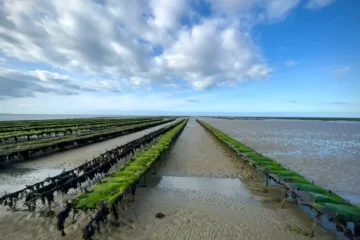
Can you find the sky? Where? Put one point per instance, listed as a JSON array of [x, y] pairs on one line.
[[234, 57]]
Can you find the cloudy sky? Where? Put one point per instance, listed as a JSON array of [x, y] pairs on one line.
[[188, 56]]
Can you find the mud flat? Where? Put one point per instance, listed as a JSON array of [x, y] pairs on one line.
[[326, 152], [205, 192]]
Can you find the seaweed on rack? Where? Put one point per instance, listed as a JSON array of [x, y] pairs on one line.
[[95, 223], [61, 217], [314, 197], [12, 151], [111, 190], [72, 179], [346, 213]]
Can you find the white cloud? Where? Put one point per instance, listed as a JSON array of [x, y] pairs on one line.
[[118, 38], [229, 57], [317, 4], [290, 63], [255, 10], [133, 43], [73, 35], [233, 7], [341, 71], [278, 9], [258, 71], [166, 13], [20, 84]]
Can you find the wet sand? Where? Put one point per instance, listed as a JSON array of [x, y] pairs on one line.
[[205, 192]]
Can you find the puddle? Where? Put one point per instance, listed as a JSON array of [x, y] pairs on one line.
[[224, 186], [15, 179]]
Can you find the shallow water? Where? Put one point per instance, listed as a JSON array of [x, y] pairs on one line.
[[17, 178], [225, 186], [325, 152]]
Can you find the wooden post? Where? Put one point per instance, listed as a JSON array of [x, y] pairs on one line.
[[315, 223], [283, 202], [49, 204], [357, 229], [73, 220], [34, 204], [267, 181], [154, 168], [144, 177]]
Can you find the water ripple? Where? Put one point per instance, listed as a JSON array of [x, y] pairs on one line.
[[326, 152]]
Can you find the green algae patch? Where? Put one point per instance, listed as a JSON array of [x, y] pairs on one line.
[[112, 188], [308, 187], [347, 213]]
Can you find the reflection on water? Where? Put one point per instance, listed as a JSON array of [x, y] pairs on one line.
[[15, 179], [326, 152], [223, 186]]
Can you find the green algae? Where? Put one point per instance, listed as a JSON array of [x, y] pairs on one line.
[[111, 188]]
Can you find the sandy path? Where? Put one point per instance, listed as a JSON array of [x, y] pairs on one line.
[[196, 153], [192, 211]]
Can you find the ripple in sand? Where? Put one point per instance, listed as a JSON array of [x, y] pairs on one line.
[[224, 186]]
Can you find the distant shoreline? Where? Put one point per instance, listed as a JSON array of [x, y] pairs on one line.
[[24, 117], [291, 118], [32, 117]]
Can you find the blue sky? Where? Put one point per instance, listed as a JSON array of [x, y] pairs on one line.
[[274, 57]]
